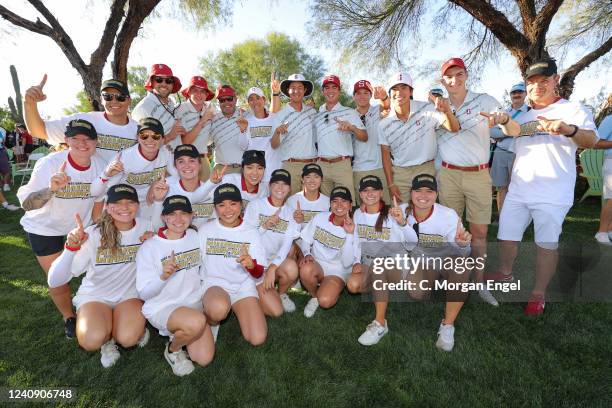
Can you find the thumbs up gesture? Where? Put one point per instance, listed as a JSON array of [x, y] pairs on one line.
[[217, 176], [35, 93], [60, 179], [169, 266], [241, 121], [77, 236], [397, 213], [245, 259], [114, 167], [272, 220], [298, 215]]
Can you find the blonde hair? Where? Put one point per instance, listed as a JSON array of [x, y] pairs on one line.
[[110, 236]]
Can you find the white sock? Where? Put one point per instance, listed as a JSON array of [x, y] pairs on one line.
[[5, 204]]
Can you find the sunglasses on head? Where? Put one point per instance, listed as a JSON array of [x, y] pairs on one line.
[[226, 99], [168, 80], [118, 97], [154, 137]]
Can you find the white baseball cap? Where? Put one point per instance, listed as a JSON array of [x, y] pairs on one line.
[[399, 78], [255, 90]]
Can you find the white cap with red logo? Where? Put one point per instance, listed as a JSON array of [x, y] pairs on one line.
[[399, 78]]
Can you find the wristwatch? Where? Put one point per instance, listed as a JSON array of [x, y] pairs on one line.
[[574, 132]]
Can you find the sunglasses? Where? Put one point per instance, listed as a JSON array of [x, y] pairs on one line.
[[154, 137], [416, 228], [168, 80], [326, 118], [226, 99], [118, 97], [363, 119]]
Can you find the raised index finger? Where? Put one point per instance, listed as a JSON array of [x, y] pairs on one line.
[[43, 82], [79, 222], [395, 201], [485, 114], [244, 250], [62, 168]]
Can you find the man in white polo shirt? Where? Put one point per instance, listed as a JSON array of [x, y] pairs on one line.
[[366, 154], [157, 104], [503, 155], [116, 131], [463, 179], [294, 133], [543, 177], [408, 134], [336, 125]]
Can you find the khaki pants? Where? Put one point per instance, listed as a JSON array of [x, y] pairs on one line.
[[467, 190], [230, 168], [358, 175], [403, 176], [336, 174], [204, 168], [295, 169]]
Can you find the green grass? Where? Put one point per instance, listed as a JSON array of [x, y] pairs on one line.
[[501, 358]]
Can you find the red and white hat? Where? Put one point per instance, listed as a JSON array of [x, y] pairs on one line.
[[255, 91], [330, 79], [453, 62], [164, 71], [200, 82], [225, 90], [362, 84], [399, 78]]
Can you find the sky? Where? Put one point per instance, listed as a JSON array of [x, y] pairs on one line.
[[168, 40]]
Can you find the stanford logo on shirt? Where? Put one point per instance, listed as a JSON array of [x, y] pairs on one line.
[[468, 111], [418, 123]]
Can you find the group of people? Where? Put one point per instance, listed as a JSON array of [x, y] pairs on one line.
[[294, 195]]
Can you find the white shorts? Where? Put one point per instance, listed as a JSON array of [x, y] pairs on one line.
[[335, 269], [159, 320], [547, 219], [607, 178], [245, 290], [80, 299]]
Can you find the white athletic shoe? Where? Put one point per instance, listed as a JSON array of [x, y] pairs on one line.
[[373, 333], [179, 361], [144, 339], [7, 187], [109, 353], [603, 238], [215, 331], [311, 307], [446, 337], [10, 207], [487, 297], [288, 305]]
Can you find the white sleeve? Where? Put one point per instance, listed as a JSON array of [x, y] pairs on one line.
[[382, 138], [41, 175], [156, 210], [353, 119], [251, 218], [348, 252], [307, 235], [291, 234], [140, 111], [148, 275], [243, 139], [56, 129], [208, 188], [60, 271], [98, 186]]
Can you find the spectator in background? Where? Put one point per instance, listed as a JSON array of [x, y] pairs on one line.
[[5, 170], [503, 155], [26, 139], [604, 235]]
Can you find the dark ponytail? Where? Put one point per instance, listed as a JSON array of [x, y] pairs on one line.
[[382, 216]]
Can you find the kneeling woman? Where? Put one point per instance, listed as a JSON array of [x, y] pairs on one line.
[[327, 245], [107, 303], [230, 267], [274, 221], [168, 280]]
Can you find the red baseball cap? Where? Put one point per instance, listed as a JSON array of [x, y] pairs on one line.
[[164, 71], [225, 90], [200, 82], [331, 79], [362, 84], [453, 62]]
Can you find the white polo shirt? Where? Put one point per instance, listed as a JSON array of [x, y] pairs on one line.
[[470, 145], [412, 142], [299, 141], [111, 138], [151, 107], [260, 132], [366, 155], [332, 142], [189, 116], [229, 141], [544, 170]]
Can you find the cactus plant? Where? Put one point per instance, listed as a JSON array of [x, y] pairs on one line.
[[16, 106]]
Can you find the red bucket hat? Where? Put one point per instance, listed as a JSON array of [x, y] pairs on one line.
[[162, 70], [200, 82], [225, 90]]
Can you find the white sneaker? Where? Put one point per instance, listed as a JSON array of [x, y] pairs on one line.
[[7, 187], [215, 331], [288, 305], [109, 353], [311, 307], [487, 297], [144, 339], [603, 238], [11, 207], [446, 337], [179, 361], [373, 333]]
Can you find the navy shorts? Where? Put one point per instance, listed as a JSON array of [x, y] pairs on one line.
[[44, 245]]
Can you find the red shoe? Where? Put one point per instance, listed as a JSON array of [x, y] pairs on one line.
[[500, 277], [535, 306]]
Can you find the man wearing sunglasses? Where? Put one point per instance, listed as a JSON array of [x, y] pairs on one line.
[[116, 131], [229, 132], [157, 104], [293, 129], [336, 128]]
